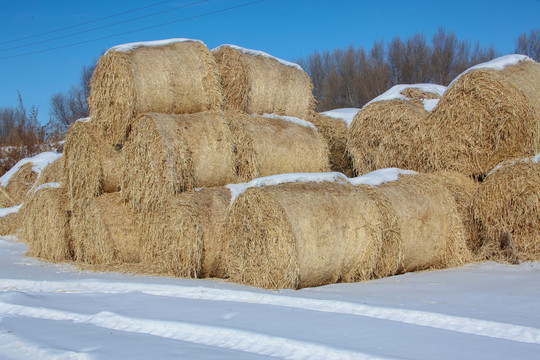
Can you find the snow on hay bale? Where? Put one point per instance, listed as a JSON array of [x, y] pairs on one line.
[[489, 114], [431, 231], [271, 144], [45, 223], [256, 83], [334, 131], [183, 237], [386, 132], [10, 219], [314, 231], [508, 202], [91, 166], [105, 231], [169, 154], [173, 76]]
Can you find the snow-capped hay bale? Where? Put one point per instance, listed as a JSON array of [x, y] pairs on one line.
[[21, 182], [257, 83], [183, 238], [508, 202], [463, 189], [269, 145], [52, 173], [334, 132], [174, 76], [169, 154], [91, 166], [10, 219], [45, 223], [432, 234], [387, 131], [305, 234], [105, 231], [488, 115]]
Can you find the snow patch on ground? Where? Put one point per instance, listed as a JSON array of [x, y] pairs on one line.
[[345, 114], [39, 162], [259, 53]]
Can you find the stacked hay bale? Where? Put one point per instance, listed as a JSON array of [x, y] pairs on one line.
[[388, 131], [507, 211], [489, 114], [333, 126]]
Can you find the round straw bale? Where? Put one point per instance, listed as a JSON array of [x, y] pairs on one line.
[[5, 199], [21, 182], [168, 154], [463, 189], [268, 146], [334, 132], [257, 83], [384, 134], [432, 234], [52, 173], [91, 166], [45, 224], [508, 202], [11, 222], [485, 117], [305, 234], [105, 231], [183, 237], [176, 78]]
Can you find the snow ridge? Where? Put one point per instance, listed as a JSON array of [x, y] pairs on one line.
[[345, 114], [134, 45], [260, 53]]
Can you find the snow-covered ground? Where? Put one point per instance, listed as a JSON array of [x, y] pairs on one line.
[[480, 311]]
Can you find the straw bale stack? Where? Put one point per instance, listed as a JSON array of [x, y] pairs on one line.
[[173, 77], [334, 131], [91, 166], [105, 231], [304, 234], [508, 204], [431, 230], [169, 154], [268, 146], [45, 224], [257, 83], [388, 133], [183, 237], [486, 116]]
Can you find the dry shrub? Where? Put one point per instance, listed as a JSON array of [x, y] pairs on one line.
[[334, 132], [485, 117], [384, 134], [45, 224], [463, 189], [175, 79], [105, 231], [21, 182], [257, 84], [169, 154], [91, 166], [508, 203], [432, 234], [270, 146], [305, 234], [183, 237]]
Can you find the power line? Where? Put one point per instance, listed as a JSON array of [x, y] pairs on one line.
[[134, 31], [84, 23], [103, 27]]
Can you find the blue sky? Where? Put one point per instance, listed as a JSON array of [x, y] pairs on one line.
[[287, 29]]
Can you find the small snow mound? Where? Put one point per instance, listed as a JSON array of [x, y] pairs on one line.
[[39, 162], [292, 119], [345, 114], [85, 120], [134, 45], [52, 185], [237, 189], [259, 53], [394, 93], [381, 176], [430, 104], [10, 210], [499, 63]]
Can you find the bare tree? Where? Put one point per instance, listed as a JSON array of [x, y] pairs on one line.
[[529, 44]]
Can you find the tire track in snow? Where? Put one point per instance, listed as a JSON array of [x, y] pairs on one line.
[[13, 347], [239, 340], [460, 324]]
